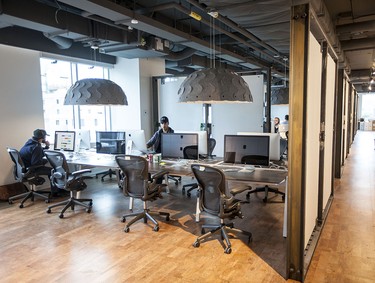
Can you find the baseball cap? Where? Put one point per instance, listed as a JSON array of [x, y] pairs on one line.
[[40, 133], [164, 120]]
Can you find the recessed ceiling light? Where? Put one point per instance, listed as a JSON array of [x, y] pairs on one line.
[[134, 21]]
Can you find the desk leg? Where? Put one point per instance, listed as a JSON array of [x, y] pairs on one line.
[[285, 224], [197, 211], [131, 201], [166, 181]]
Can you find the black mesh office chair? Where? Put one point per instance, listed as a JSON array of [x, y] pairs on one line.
[[190, 152], [73, 182], [26, 175], [137, 185], [257, 160], [213, 200]]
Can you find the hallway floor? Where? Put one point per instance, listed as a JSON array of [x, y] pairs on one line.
[[346, 248]]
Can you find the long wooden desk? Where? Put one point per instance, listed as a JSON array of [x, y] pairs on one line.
[[232, 172]]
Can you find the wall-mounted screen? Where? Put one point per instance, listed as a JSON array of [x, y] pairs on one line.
[[252, 150], [274, 143], [64, 140], [202, 140], [172, 145], [110, 142]]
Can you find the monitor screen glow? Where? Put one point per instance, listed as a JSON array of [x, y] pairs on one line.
[[64, 140], [110, 142]]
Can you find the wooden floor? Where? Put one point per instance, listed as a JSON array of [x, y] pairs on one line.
[[82, 247]]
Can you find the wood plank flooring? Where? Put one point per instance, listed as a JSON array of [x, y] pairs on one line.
[[82, 247]]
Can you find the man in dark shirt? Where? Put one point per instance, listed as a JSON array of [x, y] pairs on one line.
[[32, 154], [156, 138]]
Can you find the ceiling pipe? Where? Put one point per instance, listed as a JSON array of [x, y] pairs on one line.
[[229, 34]]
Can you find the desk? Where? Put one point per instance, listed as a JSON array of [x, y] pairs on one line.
[[232, 172]]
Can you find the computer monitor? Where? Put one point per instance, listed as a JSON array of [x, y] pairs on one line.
[[172, 145], [274, 143], [64, 140], [255, 148], [202, 140], [135, 141], [82, 139], [110, 142]]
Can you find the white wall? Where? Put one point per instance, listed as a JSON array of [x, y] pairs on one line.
[[149, 67], [21, 105], [226, 118], [126, 75], [312, 135]]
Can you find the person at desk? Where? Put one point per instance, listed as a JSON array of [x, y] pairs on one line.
[[156, 138], [276, 122], [32, 154]]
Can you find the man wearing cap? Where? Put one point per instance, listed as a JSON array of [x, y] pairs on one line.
[[156, 138], [32, 154]]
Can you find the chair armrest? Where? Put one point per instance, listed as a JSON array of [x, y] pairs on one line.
[[239, 190], [159, 174], [80, 172]]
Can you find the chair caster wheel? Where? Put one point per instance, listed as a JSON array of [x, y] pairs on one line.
[[90, 203], [88, 210], [61, 216], [167, 218], [47, 200], [156, 228], [145, 220], [10, 202], [123, 219], [21, 206], [196, 244], [126, 229], [265, 200], [48, 210], [228, 250], [188, 194]]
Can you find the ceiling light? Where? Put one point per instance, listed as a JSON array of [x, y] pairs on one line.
[[195, 16], [95, 92], [214, 85], [134, 21], [213, 14]]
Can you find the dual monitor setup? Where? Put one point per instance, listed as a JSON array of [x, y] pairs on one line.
[[245, 147]]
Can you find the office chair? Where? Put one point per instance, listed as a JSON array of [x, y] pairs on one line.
[[73, 182], [283, 148], [213, 200], [136, 184], [190, 152], [251, 159], [26, 175], [108, 172]]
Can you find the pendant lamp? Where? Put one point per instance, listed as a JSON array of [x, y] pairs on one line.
[[214, 85], [95, 92]]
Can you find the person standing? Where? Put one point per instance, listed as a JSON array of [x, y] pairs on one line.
[[276, 122]]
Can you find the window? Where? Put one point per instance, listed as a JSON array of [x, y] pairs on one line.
[[57, 76]]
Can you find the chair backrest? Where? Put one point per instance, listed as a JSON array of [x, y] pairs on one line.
[[135, 169], [212, 183], [19, 168], [60, 166], [190, 152], [211, 146]]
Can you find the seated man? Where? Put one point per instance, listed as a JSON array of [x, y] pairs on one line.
[[32, 154], [156, 138]]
